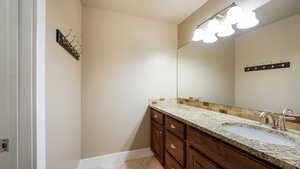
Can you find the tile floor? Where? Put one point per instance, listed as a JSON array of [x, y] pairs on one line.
[[143, 163]]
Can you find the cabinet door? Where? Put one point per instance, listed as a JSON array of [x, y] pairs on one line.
[[224, 154], [157, 141], [170, 162], [198, 161]]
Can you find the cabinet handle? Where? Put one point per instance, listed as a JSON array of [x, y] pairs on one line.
[[155, 116], [173, 146], [173, 126], [4, 145], [160, 132]]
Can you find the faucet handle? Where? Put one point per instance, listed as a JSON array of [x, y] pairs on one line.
[[263, 116], [287, 111], [283, 118]]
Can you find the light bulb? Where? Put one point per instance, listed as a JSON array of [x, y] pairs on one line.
[[249, 20], [226, 30], [210, 38], [234, 15], [199, 34], [213, 26]]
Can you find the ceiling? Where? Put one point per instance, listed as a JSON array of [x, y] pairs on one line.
[[173, 11]]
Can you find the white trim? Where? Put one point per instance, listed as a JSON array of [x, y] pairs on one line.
[[25, 77], [114, 158], [39, 40], [31, 84]]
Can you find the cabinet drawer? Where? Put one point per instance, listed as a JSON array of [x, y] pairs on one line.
[[224, 154], [197, 160], [170, 162], [157, 116], [175, 147], [175, 126]]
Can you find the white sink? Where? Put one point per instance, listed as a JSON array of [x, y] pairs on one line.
[[259, 133]]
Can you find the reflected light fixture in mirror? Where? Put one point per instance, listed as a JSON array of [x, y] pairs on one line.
[[248, 20]]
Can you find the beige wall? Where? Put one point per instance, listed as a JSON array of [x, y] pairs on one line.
[[207, 71], [63, 88], [185, 28], [127, 60], [273, 89]]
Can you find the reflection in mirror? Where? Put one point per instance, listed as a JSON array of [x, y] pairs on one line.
[[216, 73]]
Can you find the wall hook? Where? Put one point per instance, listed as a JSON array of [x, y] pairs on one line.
[[63, 41], [279, 65]]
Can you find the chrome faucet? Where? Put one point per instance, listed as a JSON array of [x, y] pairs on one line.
[[275, 121], [267, 118]]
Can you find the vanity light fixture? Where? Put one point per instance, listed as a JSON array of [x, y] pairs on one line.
[[210, 38], [199, 34], [213, 26], [234, 15], [221, 24], [225, 30]]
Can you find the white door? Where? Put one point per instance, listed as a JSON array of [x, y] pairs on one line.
[[8, 84]]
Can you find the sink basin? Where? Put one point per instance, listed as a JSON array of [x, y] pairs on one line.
[[260, 134]]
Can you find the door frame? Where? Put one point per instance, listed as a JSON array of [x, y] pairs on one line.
[[31, 85]]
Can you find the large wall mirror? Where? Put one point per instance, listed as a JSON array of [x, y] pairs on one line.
[[215, 72]]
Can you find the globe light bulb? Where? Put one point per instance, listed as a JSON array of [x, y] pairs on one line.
[[210, 38], [249, 20], [213, 26], [199, 34], [226, 30], [234, 15]]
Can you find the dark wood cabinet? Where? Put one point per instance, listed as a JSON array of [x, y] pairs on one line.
[[175, 127], [196, 160], [224, 154], [179, 146], [157, 135], [176, 147], [171, 163], [157, 117], [157, 141]]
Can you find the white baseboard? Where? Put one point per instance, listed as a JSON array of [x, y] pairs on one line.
[[114, 158]]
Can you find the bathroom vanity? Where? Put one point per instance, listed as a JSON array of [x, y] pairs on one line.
[[183, 136]]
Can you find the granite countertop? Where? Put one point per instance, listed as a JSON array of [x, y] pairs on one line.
[[212, 123]]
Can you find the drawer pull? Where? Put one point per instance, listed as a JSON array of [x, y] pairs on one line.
[[160, 132], [173, 146], [173, 126], [155, 116]]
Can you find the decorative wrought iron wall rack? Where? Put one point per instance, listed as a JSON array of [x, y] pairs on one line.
[[66, 44], [268, 67]]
